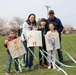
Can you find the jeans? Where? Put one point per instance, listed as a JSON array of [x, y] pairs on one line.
[[28, 60], [60, 55], [10, 62]]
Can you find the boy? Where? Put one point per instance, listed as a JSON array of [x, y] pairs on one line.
[[12, 35]]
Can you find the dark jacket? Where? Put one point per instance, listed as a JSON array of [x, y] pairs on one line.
[[9, 39], [58, 25]]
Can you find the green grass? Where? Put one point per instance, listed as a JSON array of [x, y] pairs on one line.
[[68, 44]]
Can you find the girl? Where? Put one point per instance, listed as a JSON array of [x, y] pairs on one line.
[[29, 25], [52, 43], [43, 23]]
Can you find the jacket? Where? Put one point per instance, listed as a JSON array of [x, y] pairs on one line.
[[26, 27], [58, 25]]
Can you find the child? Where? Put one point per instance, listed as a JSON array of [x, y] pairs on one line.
[[42, 27], [51, 41], [12, 35]]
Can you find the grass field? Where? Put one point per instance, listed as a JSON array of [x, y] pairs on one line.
[[68, 44]]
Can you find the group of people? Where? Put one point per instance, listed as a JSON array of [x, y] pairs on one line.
[[52, 24]]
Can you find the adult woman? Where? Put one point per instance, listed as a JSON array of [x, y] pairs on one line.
[[29, 25]]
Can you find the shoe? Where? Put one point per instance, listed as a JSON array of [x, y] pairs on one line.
[[40, 65], [8, 73], [49, 67], [45, 65], [32, 68], [53, 66], [18, 71], [27, 68]]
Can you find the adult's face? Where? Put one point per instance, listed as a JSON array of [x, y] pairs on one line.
[[32, 18], [51, 16]]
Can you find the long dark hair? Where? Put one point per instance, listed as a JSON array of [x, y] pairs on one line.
[[28, 21]]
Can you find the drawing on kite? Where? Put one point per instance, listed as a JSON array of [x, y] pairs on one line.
[[29, 36], [52, 42], [34, 42], [17, 47], [33, 38]]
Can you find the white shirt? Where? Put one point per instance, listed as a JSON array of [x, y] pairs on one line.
[[26, 27]]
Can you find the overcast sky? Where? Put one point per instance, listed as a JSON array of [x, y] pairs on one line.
[[64, 9]]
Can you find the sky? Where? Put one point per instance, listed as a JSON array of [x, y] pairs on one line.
[[64, 9]]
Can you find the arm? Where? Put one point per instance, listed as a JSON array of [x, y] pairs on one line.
[[24, 29], [5, 43], [60, 27]]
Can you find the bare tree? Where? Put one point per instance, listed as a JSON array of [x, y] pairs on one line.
[[2, 23], [67, 29], [17, 24], [14, 25], [19, 21]]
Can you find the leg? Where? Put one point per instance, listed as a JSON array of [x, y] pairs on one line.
[[16, 64], [25, 56], [45, 60], [31, 57], [9, 63], [40, 56], [60, 55], [49, 58], [53, 58], [24, 60]]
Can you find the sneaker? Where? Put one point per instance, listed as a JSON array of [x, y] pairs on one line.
[[53, 66], [17, 71], [45, 65], [32, 68], [49, 67], [27, 68], [40, 65], [8, 73]]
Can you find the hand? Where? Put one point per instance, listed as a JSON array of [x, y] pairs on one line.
[[6, 41], [39, 27]]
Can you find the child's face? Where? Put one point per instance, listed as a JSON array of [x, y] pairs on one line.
[[43, 23], [12, 34], [51, 27]]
